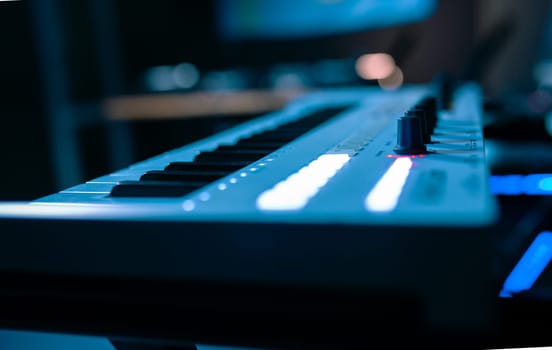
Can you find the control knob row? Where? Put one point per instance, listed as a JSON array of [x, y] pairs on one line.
[[414, 129]]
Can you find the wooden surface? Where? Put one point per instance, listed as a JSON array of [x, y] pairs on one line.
[[196, 104]]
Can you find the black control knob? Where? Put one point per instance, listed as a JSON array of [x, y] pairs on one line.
[[421, 113], [445, 85], [409, 136], [429, 105]]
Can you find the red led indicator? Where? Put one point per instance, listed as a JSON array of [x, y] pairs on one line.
[[412, 156]]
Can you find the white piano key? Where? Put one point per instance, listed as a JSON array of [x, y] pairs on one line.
[[93, 188]]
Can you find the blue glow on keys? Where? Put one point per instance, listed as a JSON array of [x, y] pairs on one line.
[[530, 266], [385, 194], [294, 192]]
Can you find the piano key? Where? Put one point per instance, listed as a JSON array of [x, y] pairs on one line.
[[259, 144], [205, 166], [115, 178], [155, 188], [162, 175], [281, 133], [92, 187], [208, 166], [289, 131], [233, 162], [284, 139], [73, 198], [257, 148], [230, 156]]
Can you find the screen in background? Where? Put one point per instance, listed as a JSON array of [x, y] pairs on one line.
[[289, 19]]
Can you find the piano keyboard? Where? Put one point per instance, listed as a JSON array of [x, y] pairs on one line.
[[248, 167], [328, 193]]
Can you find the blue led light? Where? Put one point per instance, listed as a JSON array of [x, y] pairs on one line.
[[546, 184], [530, 266], [511, 185], [506, 184], [539, 184]]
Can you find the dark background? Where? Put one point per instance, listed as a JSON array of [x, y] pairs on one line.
[[495, 42]]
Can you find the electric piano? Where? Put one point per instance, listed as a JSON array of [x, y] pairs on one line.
[[350, 214]]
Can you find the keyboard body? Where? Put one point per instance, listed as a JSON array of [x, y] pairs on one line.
[[332, 226]]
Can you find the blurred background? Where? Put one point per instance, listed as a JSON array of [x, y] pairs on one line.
[[88, 87]]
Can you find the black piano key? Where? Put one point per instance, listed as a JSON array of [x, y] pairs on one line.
[[281, 133], [260, 147], [206, 166], [229, 156], [293, 131], [265, 137], [237, 150], [298, 125], [285, 132], [249, 144], [179, 176], [154, 188], [233, 162], [288, 132]]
